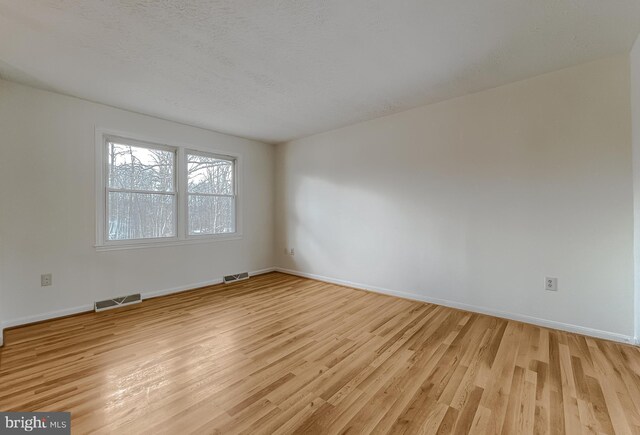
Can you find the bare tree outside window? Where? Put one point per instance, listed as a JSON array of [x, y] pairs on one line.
[[155, 192], [141, 199], [211, 194]]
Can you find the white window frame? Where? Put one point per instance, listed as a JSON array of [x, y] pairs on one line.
[[234, 162], [103, 136]]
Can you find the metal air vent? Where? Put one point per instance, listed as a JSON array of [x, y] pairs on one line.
[[117, 302], [238, 277]]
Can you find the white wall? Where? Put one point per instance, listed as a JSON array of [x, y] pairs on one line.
[[470, 202], [47, 211], [635, 123], [1, 303], [473, 201]]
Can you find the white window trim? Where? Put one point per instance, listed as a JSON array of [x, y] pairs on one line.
[[182, 237], [226, 157]]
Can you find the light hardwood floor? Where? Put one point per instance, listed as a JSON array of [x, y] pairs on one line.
[[282, 354]]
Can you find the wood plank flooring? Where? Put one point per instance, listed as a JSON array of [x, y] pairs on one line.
[[282, 354]]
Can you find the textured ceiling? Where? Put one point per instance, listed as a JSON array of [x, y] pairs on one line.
[[274, 70]]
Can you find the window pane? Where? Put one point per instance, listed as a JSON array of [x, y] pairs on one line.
[[140, 216], [211, 214], [210, 175], [138, 168]]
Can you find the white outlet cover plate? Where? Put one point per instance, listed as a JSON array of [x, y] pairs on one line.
[[551, 284], [46, 280]]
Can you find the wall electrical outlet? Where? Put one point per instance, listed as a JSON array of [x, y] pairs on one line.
[[551, 284], [46, 280], [292, 252]]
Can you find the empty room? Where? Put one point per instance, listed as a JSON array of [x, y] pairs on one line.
[[320, 217]]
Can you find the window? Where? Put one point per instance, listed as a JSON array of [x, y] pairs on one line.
[[141, 196], [150, 193], [211, 190]]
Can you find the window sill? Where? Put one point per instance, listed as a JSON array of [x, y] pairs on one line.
[[161, 244]]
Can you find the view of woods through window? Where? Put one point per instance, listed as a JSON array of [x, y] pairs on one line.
[[211, 195], [142, 200], [141, 189]]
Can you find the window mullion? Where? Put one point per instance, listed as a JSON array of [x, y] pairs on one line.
[[142, 192], [181, 187], [220, 195]]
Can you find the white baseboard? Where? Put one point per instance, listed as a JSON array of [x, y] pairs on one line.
[[85, 308], [473, 308], [621, 338], [182, 288], [262, 271], [46, 316]]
